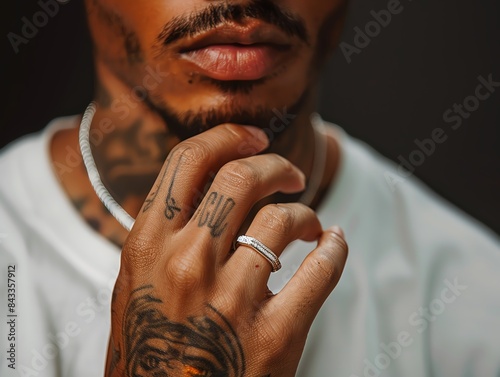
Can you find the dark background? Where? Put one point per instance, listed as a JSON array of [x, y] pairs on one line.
[[394, 91]]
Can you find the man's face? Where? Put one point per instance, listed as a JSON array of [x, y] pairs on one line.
[[216, 61]]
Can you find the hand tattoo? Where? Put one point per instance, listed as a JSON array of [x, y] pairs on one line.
[[201, 346], [153, 194], [171, 207], [214, 213]]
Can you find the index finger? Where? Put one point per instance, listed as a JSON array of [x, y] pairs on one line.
[[172, 199]]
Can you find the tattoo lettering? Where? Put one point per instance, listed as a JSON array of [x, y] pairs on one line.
[[201, 346], [214, 213], [171, 207], [153, 194]]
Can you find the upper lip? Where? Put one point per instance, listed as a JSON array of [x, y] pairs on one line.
[[252, 33]]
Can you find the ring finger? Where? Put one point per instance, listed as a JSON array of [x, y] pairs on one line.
[[275, 226]]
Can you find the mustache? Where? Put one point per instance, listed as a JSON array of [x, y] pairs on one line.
[[216, 15]]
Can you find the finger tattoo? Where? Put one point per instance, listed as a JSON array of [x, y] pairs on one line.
[[215, 212], [171, 205], [153, 194]]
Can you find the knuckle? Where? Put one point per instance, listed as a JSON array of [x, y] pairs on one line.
[[287, 166], [326, 268], [184, 272], [140, 251], [277, 217], [304, 210], [239, 174], [191, 152]]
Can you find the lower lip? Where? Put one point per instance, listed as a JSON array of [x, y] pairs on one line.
[[236, 62]]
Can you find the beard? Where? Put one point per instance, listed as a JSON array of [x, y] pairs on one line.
[[187, 124]]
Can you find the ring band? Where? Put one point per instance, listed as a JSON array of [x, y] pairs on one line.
[[261, 249]]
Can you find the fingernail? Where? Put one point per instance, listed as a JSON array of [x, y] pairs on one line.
[[258, 135], [336, 229]]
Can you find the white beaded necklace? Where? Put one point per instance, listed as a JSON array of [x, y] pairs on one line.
[[127, 221]]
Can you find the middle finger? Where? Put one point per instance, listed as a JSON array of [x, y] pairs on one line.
[[235, 190]]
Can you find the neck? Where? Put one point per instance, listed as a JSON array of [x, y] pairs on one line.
[[130, 142]]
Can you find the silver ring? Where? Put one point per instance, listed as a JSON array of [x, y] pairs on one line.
[[261, 249]]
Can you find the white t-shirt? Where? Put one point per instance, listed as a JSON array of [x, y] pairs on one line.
[[420, 295]]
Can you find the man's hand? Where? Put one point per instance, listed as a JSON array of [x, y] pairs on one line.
[[184, 304]]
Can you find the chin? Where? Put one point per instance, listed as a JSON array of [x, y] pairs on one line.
[[219, 108]]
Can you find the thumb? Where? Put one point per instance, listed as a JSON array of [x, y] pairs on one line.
[[315, 279]]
